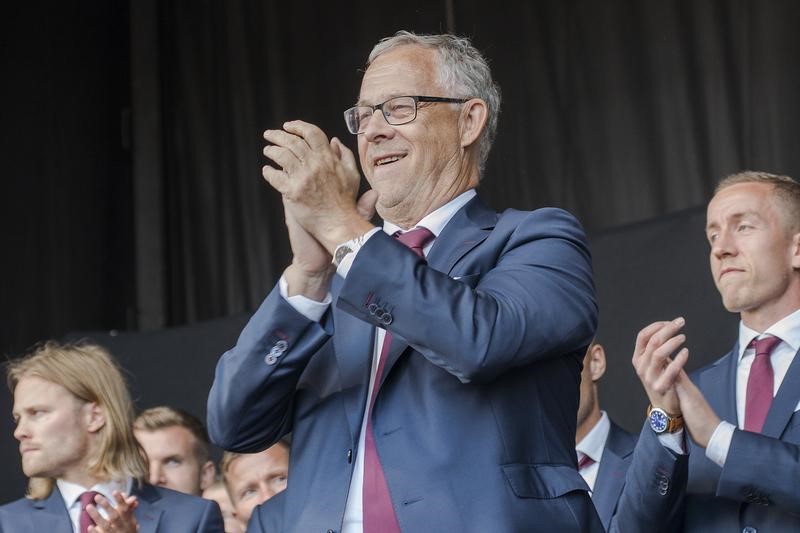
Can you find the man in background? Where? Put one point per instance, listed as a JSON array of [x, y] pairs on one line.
[[254, 478], [177, 449], [219, 493], [605, 451], [73, 417]]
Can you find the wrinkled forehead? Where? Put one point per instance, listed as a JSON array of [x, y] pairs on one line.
[[404, 71]]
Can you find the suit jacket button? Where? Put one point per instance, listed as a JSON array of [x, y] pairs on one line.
[[350, 456], [386, 319], [372, 308], [749, 529], [270, 359]]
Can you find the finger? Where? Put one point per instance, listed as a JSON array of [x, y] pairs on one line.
[[312, 134], [660, 357], [277, 178], [282, 157], [297, 145], [644, 337], [670, 374], [122, 505], [97, 518], [669, 330], [345, 155], [366, 204]]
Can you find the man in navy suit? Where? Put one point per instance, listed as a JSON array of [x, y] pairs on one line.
[[742, 411], [73, 419], [430, 381], [605, 452]]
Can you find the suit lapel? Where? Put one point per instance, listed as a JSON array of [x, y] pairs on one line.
[[785, 401], [147, 514], [611, 474], [468, 227], [51, 515], [353, 344]]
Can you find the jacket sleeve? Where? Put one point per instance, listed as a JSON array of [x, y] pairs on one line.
[[652, 499], [536, 301], [249, 404]]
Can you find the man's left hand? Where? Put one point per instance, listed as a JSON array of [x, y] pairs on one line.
[[319, 182], [699, 417], [119, 519]]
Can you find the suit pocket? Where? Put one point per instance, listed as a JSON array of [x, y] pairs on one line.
[[543, 481]]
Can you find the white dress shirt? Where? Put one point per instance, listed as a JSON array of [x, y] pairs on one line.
[[313, 310], [788, 330], [593, 444], [71, 493]]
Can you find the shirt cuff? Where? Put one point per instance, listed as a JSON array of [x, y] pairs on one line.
[[353, 245], [311, 309], [673, 441], [720, 443]]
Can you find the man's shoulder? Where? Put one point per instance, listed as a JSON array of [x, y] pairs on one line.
[[714, 367], [17, 506], [173, 499]]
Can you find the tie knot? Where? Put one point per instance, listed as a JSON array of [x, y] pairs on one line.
[[87, 497], [416, 239], [766, 345]]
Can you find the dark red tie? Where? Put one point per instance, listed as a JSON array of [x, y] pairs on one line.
[[379, 515], [84, 520], [585, 461], [760, 385]]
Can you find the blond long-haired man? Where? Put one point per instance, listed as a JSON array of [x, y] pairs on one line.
[[86, 472]]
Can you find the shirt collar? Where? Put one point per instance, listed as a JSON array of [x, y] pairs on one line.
[[595, 441], [787, 329], [72, 491], [438, 219]]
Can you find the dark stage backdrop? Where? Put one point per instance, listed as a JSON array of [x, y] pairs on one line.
[[131, 195]]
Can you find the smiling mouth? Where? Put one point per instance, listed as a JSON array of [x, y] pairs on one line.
[[388, 160]]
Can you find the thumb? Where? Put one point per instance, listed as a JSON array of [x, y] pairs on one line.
[[345, 155], [366, 204]]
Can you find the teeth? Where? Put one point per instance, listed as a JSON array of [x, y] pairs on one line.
[[386, 160]]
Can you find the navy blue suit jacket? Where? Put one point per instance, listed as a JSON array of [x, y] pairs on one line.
[[160, 510], [759, 485], [645, 495], [475, 419]]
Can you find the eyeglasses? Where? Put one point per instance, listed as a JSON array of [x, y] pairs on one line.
[[398, 110]]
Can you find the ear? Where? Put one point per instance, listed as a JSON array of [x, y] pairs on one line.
[[796, 251], [95, 417], [473, 120], [207, 474], [597, 362]]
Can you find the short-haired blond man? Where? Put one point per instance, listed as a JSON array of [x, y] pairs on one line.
[[87, 473], [253, 478], [177, 448]]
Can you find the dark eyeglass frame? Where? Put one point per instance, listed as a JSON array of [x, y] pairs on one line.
[[417, 99]]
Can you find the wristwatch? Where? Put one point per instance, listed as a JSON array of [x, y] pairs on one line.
[[663, 422]]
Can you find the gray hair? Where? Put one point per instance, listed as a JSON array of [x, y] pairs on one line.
[[462, 69]]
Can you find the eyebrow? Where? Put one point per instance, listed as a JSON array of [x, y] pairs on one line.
[[383, 99], [736, 217]]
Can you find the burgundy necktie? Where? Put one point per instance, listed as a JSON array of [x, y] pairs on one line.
[[84, 520], [760, 385], [585, 462], [379, 515]]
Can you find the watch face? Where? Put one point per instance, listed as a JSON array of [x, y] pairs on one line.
[[658, 420]]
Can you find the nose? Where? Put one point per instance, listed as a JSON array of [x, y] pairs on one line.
[[377, 127], [723, 245], [265, 492], [21, 431], [156, 474]]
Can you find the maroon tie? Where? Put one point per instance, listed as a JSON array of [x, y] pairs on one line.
[[585, 461], [760, 385], [379, 515], [84, 520]]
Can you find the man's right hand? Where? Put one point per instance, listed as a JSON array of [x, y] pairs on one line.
[[656, 370]]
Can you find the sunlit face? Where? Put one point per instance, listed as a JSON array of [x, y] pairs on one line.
[[752, 256], [255, 478], [219, 494], [172, 454], [53, 429], [423, 160]]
